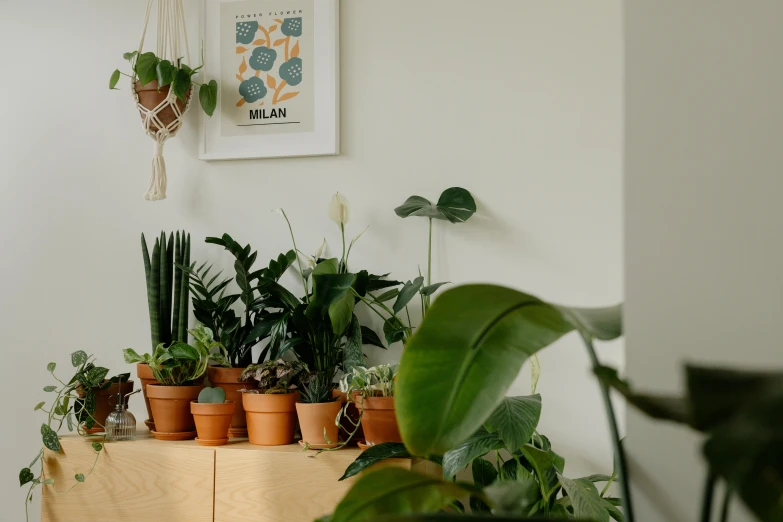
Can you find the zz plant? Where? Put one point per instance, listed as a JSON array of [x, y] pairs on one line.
[[73, 406], [147, 67]]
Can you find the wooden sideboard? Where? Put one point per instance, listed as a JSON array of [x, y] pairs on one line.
[[155, 481]]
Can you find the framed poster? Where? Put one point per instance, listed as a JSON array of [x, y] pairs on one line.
[[277, 67]]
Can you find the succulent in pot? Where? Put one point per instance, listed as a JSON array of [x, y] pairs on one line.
[[212, 414], [271, 408], [318, 411], [373, 391], [179, 370]]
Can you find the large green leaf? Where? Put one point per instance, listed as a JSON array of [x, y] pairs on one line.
[[484, 472], [408, 292], [374, 454], [455, 204], [478, 445], [146, 67], [340, 313], [478, 336], [586, 501], [391, 491], [515, 420], [546, 464], [514, 497]]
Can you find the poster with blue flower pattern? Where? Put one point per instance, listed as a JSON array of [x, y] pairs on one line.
[[266, 49]]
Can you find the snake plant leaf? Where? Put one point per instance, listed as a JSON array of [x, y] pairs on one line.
[[115, 78], [455, 205], [478, 445], [394, 491], [479, 336], [145, 67], [375, 454], [408, 292], [515, 420], [78, 358], [352, 353], [49, 438], [207, 96], [586, 501]]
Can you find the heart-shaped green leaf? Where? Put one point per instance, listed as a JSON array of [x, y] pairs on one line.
[[25, 476], [515, 420], [455, 205], [468, 330], [39, 406], [478, 445], [146, 67], [212, 396], [165, 72], [130, 55], [484, 472], [51, 366], [181, 85], [50, 388], [78, 358], [49, 438], [207, 96], [115, 77], [97, 446], [79, 477], [394, 491]]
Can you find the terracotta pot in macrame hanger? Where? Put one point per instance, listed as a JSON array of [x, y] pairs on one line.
[[161, 111]]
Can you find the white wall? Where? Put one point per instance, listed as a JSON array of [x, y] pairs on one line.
[[518, 101], [702, 210]]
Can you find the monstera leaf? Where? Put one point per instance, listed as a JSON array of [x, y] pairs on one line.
[[480, 336], [455, 205]]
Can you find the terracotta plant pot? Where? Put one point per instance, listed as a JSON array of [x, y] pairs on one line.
[[105, 403], [379, 421], [150, 97], [228, 379], [171, 408], [146, 377], [212, 422], [271, 418], [314, 418]]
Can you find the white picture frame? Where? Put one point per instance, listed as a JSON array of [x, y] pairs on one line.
[[324, 139]]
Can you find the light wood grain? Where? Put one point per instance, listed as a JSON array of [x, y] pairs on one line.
[[132, 482]]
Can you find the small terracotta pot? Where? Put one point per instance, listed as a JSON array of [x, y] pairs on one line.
[[271, 418], [314, 418], [228, 379], [150, 97], [212, 422], [171, 408], [146, 377], [379, 420], [105, 403]]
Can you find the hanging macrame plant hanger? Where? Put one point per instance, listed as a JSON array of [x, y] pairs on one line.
[[161, 111]]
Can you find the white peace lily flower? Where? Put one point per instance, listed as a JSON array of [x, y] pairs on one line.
[[320, 250], [338, 209]]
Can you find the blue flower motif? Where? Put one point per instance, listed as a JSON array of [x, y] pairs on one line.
[[246, 32], [252, 89], [263, 59], [291, 71], [292, 27]]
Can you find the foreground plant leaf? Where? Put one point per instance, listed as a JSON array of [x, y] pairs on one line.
[[391, 491], [478, 445], [515, 420], [480, 336], [374, 454], [586, 501]]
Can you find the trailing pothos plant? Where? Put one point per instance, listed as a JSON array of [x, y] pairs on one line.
[[469, 350], [455, 205], [73, 405], [147, 67]]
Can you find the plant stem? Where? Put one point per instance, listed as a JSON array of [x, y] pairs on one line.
[[343, 260], [724, 512], [298, 261], [429, 267], [625, 481], [709, 492]]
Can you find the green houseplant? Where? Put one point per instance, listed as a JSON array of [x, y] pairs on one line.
[[271, 407], [212, 414], [480, 335], [178, 369], [317, 410], [74, 406], [167, 299], [372, 389]]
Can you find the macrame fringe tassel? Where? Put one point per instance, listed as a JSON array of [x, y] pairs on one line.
[[157, 189]]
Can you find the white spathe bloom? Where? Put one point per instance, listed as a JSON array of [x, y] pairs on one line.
[[338, 209]]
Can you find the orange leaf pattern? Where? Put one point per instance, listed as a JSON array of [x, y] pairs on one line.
[[287, 96], [243, 67], [270, 81], [295, 50], [280, 42], [262, 41], [241, 49]]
